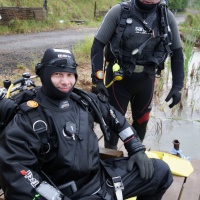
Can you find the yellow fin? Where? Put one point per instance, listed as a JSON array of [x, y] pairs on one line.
[[178, 166]]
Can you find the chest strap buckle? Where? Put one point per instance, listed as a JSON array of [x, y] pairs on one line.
[[118, 185]]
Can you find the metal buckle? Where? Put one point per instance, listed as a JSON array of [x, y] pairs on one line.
[[117, 183], [138, 69], [40, 126], [68, 188]]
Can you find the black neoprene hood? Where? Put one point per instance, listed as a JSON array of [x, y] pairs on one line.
[[144, 7], [55, 60], [60, 58]]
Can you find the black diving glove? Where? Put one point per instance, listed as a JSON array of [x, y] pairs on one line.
[[144, 164], [99, 87], [138, 156], [175, 94]]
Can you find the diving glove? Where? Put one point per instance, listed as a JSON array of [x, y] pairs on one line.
[[99, 87], [137, 155], [175, 94]]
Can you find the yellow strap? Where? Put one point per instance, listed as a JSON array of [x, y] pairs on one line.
[[9, 89], [132, 198]]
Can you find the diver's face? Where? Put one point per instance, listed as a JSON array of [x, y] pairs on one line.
[[63, 81]]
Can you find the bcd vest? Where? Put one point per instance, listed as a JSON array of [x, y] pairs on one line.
[[137, 33]]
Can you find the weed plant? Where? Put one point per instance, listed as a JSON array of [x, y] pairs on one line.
[[191, 31], [82, 49]]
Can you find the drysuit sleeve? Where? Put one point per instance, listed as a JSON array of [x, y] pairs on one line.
[[177, 59], [20, 150], [120, 126], [177, 67], [97, 56], [103, 36]]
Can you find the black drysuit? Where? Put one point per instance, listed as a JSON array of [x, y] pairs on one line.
[[69, 158]]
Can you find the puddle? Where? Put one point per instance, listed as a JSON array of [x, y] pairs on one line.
[[167, 124]]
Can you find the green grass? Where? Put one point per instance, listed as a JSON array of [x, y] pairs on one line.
[[82, 49], [191, 31], [64, 10]]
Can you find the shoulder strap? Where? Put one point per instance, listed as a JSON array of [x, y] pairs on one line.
[[37, 119], [87, 101], [125, 12], [164, 23], [40, 127]]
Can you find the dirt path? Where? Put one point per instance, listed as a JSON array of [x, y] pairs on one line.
[[26, 49]]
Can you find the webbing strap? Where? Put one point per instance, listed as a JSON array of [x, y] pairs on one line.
[[39, 124], [116, 180], [125, 13], [165, 30], [85, 96], [121, 27], [104, 195]]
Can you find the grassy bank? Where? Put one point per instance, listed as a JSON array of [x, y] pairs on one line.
[[83, 10], [59, 14]]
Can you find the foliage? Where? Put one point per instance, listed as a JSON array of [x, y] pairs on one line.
[[82, 49], [178, 5], [181, 5], [195, 4], [191, 32], [191, 25]]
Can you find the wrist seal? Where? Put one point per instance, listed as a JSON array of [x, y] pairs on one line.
[[134, 145]]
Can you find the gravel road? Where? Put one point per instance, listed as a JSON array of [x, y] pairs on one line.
[[26, 49]]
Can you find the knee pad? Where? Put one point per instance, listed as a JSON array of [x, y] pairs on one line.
[[144, 118]]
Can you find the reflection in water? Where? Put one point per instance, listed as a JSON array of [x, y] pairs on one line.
[[182, 124]]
